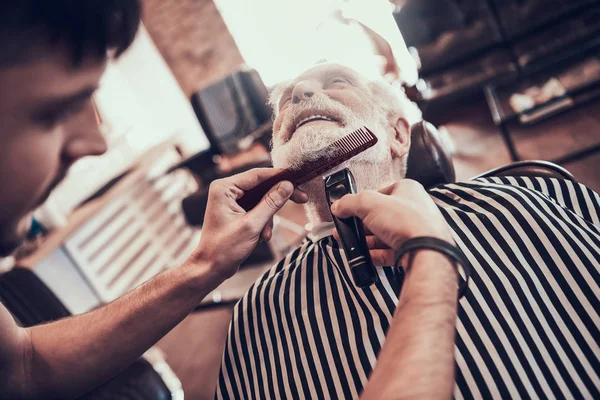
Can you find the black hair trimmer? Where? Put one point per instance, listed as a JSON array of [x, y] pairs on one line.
[[351, 230]]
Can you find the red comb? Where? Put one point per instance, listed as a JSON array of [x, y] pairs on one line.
[[333, 155]]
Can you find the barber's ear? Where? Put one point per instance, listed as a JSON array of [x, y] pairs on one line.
[[400, 144]]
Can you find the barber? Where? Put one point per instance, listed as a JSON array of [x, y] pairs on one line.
[[417, 359], [68, 357]]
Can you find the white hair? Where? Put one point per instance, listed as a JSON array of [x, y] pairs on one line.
[[394, 100]]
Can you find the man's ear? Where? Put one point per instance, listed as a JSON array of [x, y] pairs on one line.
[[400, 143]]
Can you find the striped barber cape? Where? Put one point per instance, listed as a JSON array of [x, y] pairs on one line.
[[527, 328]]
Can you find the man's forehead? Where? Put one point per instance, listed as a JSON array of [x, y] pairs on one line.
[[319, 72], [325, 71]]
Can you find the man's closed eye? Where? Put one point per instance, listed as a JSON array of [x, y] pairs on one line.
[[336, 83]]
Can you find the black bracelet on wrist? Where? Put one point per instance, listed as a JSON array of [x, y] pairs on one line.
[[445, 248]]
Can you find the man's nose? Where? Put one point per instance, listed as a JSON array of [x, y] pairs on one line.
[[304, 90], [85, 136]]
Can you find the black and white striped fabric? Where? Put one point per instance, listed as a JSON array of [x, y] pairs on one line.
[[528, 327]]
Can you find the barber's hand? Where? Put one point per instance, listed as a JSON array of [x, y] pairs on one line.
[[393, 215], [230, 234]]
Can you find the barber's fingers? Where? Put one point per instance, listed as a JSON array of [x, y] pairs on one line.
[[240, 183], [383, 257], [381, 253], [272, 202], [227, 191], [388, 190], [267, 231], [402, 186], [374, 242], [356, 205], [250, 179], [299, 196]]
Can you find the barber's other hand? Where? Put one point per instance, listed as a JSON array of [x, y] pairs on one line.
[[397, 213], [230, 234]]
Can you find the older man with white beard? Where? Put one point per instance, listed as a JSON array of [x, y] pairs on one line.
[[529, 325], [325, 104]]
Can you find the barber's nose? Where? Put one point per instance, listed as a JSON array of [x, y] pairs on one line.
[[86, 138], [304, 90]]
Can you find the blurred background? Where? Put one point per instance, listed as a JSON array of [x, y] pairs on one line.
[[502, 80]]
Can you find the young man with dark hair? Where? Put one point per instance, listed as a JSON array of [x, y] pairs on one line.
[[52, 55]]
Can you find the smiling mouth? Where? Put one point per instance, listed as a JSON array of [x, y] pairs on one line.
[[313, 118]]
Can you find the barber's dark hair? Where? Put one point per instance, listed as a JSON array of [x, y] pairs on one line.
[[86, 27]]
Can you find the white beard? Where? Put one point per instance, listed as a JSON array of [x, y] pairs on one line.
[[311, 139], [372, 169]]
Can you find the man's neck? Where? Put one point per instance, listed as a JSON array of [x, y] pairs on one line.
[[317, 208], [321, 231]]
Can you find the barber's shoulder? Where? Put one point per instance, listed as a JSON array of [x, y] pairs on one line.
[[12, 336], [6, 318]]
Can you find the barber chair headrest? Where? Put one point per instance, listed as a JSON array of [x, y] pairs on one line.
[[429, 163]]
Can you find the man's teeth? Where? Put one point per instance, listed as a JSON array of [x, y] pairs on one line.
[[313, 118]]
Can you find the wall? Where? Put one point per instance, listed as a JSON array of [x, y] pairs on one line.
[[158, 97], [193, 39]]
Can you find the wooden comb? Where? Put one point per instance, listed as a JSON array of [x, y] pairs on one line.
[[333, 155]]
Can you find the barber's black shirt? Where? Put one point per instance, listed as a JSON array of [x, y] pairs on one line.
[[528, 327]]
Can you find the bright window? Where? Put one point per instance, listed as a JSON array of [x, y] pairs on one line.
[[281, 38]]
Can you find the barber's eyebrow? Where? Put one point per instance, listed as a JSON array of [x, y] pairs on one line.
[[49, 107], [68, 100]]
